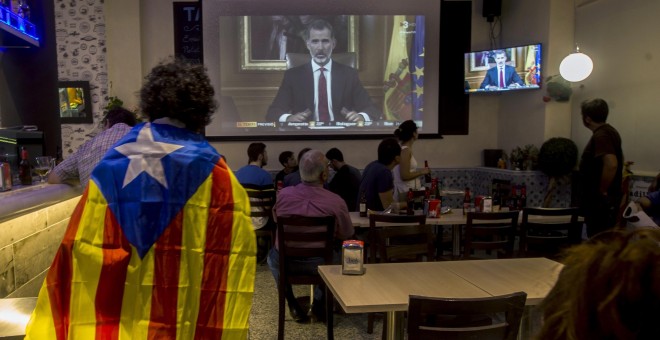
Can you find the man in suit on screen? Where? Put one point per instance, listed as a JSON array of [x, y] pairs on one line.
[[321, 90], [501, 76]]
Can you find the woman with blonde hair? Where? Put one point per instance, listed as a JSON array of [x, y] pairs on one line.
[[608, 289]]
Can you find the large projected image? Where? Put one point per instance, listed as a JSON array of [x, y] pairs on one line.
[[307, 70]]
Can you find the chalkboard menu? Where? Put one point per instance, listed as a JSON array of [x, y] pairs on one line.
[[188, 31]]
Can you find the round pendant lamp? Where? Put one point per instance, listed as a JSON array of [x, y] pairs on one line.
[[576, 66]]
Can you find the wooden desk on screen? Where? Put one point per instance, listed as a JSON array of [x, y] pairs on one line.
[[385, 287]]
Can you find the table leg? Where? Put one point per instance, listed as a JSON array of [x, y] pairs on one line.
[[395, 328], [456, 240]]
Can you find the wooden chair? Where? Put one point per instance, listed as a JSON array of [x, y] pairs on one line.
[[406, 238], [297, 59], [450, 318], [491, 231], [294, 234], [549, 238], [261, 207]]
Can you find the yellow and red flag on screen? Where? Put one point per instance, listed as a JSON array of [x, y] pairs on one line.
[[397, 82], [160, 246]]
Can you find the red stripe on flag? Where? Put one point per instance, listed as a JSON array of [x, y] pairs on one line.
[[216, 257], [116, 257], [58, 279], [167, 259]]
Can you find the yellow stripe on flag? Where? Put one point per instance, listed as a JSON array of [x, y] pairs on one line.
[[398, 51], [195, 217], [41, 324], [242, 265], [87, 260]]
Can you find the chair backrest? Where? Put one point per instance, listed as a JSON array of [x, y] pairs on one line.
[[261, 202], [548, 236], [412, 231], [297, 59], [450, 318], [304, 236], [491, 231]]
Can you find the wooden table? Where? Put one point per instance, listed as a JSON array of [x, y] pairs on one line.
[[456, 219], [385, 287]]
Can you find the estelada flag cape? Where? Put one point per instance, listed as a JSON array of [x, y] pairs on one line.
[[160, 246]]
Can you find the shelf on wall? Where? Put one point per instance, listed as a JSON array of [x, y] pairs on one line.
[[20, 27]]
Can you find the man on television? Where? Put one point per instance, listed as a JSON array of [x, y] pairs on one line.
[[501, 76], [321, 90]]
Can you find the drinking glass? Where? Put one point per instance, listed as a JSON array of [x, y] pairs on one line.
[[44, 165]]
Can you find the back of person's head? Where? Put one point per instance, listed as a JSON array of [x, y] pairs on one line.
[[312, 164], [318, 25], [255, 150], [596, 109], [609, 288], [181, 91], [334, 154], [388, 150], [301, 153], [118, 115], [406, 130], [284, 157]]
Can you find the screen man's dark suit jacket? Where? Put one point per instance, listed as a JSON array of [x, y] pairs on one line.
[[493, 78], [296, 93]]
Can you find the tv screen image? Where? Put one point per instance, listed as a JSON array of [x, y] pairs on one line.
[[384, 69], [506, 69]]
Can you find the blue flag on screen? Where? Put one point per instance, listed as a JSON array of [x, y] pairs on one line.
[[417, 69]]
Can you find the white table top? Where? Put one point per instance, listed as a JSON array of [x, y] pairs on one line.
[[387, 286]]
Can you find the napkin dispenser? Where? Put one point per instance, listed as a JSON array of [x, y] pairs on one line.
[[352, 257]]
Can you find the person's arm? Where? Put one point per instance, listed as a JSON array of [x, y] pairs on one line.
[[344, 225], [487, 82], [516, 81], [644, 203], [404, 167], [386, 198], [609, 172]]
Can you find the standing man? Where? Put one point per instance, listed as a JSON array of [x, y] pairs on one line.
[[600, 169], [321, 90], [501, 76], [346, 180], [253, 173], [377, 182], [160, 245], [78, 166], [309, 198]]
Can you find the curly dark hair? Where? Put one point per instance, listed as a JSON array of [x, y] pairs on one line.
[[178, 90]]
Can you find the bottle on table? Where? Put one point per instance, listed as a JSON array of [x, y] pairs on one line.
[[24, 168], [523, 197], [410, 201], [427, 178], [467, 199], [497, 198], [363, 205]]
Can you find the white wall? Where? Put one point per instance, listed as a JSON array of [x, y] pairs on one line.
[[620, 36]]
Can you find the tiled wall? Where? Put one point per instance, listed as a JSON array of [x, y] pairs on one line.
[[27, 247]]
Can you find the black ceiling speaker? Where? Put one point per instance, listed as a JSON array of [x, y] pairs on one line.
[[491, 9]]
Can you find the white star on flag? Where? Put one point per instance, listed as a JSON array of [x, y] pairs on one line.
[[145, 156]]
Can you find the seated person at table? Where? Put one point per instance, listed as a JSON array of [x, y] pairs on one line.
[[254, 177], [301, 97], [377, 182], [294, 177], [501, 75], [78, 166], [609, 288], [309, 198], [346, 180], [290, 164]]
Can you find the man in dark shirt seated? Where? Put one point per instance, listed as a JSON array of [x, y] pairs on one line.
[[377, 180], [346, 180], [290, 164], [309, 198]]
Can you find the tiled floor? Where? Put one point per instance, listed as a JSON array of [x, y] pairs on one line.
[[263, 319]]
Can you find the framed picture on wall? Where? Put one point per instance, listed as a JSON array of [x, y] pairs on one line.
[[75, 102], [265, 40]]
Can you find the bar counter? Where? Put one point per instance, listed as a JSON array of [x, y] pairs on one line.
[[32, 223]]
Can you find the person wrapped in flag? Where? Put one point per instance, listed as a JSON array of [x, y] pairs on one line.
[[160, 245]]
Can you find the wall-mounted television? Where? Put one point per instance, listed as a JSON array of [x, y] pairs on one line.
[[505, 69], [398, 56], [75, 102]]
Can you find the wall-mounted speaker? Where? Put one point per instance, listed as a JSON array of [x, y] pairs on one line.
[[491, 9]]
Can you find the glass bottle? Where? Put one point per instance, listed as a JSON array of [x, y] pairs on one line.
[[363, 205], [467, 199], [24, 168], [427, 177], [410, 202]]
